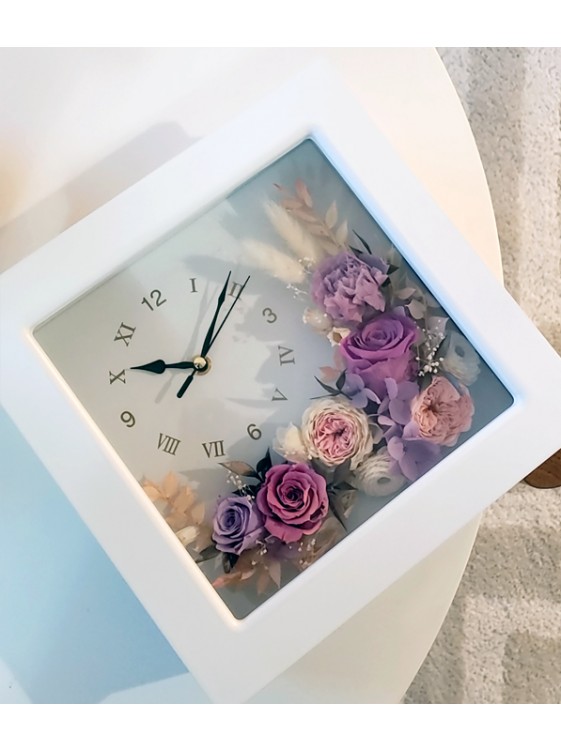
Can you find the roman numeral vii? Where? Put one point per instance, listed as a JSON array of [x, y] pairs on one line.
[[214, 448]]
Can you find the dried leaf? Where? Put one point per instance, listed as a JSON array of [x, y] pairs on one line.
[[198, 514], [152, 492], [329, 246], [319, 231], [363, 241], [229, 561], [337, 509], [291, 203], [329, 373], [240, 468], [263, 582], [170, 485], [302, 245], [305, 216], [405, 292], [327, 388], [303, 193], [416, 309], [274, 570], [207, 553], [276, 263], [265, 464], [187, 535], [342, 233], [331, 216]]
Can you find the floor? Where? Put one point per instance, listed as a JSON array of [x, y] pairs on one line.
[[501, 641]]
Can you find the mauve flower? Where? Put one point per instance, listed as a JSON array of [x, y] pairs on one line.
[[346, 287], [380, 350], [333, 432], [237, 525], [461, 360], [441, 413], [293, 500]]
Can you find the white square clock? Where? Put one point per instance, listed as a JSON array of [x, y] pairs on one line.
[[272, 377]]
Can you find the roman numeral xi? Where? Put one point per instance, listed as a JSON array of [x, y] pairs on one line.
[[124, 334]]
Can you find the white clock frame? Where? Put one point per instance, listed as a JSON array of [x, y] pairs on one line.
[[233, 659]]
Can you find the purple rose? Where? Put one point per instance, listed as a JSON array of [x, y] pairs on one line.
[[380, 350], [237, 525], [345, 287], [293, 500]]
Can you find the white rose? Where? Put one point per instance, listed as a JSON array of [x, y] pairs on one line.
[[461, 360], [373, 476], [288, 443], [334, 432]]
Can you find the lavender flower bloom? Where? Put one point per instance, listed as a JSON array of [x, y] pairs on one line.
[[395, 410], [346, 287], [356, 391], [413, 456], [237, 525]]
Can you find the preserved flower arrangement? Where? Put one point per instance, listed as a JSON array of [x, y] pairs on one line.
[[396, 395]]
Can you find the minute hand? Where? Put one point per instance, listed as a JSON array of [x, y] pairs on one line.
[[213, 340]]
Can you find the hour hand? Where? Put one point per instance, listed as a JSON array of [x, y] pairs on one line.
[[159, 366]]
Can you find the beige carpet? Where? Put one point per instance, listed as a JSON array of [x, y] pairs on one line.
[[501, 641]]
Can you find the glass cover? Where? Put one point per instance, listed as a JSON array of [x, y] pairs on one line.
[[273, 373]]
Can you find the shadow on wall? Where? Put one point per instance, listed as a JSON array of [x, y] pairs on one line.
[[84, 194]]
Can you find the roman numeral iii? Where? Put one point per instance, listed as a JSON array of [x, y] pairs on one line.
[[214, 448], [168, 444]]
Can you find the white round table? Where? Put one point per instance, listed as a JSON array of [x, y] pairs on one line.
[[77, 127]]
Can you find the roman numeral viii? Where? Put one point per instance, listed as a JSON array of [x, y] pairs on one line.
[[214, 448], [124, 333], [168, 444]]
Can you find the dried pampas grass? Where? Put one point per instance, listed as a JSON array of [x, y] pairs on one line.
[[276, 263]]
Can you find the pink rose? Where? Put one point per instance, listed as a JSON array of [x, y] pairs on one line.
[[293, 500], [333, 431], [441, 413]]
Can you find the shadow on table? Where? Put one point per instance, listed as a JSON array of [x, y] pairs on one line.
[[71, 630]]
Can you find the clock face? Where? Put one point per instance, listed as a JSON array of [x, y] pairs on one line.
[[203, 362]]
